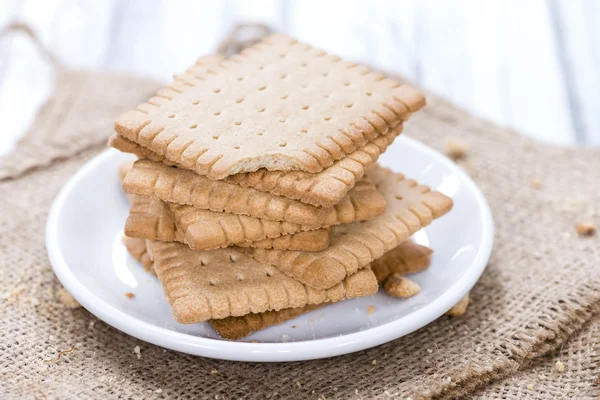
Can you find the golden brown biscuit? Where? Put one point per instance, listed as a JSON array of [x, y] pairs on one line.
[[279, 105], [353, 246], [152, 219], [323, 189], [202, 285]]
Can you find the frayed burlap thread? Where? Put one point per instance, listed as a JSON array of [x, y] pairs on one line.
[[540, 288]]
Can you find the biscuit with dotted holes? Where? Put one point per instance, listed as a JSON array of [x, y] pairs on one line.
[[407, 258], [410, 207], [279, 105], [410, 254], [202, 285], [322, 189]]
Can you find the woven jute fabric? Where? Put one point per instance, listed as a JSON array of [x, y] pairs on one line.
[[533, 305], [572, 372]]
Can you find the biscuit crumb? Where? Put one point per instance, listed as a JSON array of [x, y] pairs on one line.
[[429, 351], [459, 308], [448, 379], [299, 384], [67, 300], [560, 367], [374, 362], [397, 285], [530, 386], [293, 326], [586, 228], [371, 309], [129, 295], [137, 352], [536, 184], [214, 372], [159, 390], [455, 149]]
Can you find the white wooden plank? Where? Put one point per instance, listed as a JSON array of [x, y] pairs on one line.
[[81, 33], [270, 12], [500, 64], [188, 30], [578, 29], [26, 76], [536, 93]]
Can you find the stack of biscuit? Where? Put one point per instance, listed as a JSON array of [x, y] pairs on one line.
[[256, 196]]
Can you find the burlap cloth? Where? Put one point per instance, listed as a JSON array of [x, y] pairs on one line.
[[532, 307]]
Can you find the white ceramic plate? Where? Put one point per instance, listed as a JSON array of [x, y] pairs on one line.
[[83, 237]]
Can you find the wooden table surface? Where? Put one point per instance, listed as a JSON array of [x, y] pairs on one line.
[[530, 65]]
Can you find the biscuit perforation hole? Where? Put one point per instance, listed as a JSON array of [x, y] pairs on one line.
[[263, 87], [282, 120], [217, 113], [346, 83], [195, 103], [369, 94], [269, 273], [193, 126], [240, 277], [212, 282], [285, 96], [398, 197], [172, 116], [304, 65], [215, 137], [233, 258], [236, 147], [238, 123], [306, 107], [239, 100], [240, 78], [349, 105], [261, 67], [326, 95], [282, 144], [261, 110], [304, 130], [260, 133], [327, 118], [218, 90], [283, 76]]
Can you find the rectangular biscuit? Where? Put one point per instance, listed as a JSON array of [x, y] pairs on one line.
[[353, 246], [202, 285], [204, 229], [151, 219], [175, 185], [407, 258], [279, 105], [322, 189], [238, 327]]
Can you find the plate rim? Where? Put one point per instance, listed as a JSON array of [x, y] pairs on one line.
[[269, 352]]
